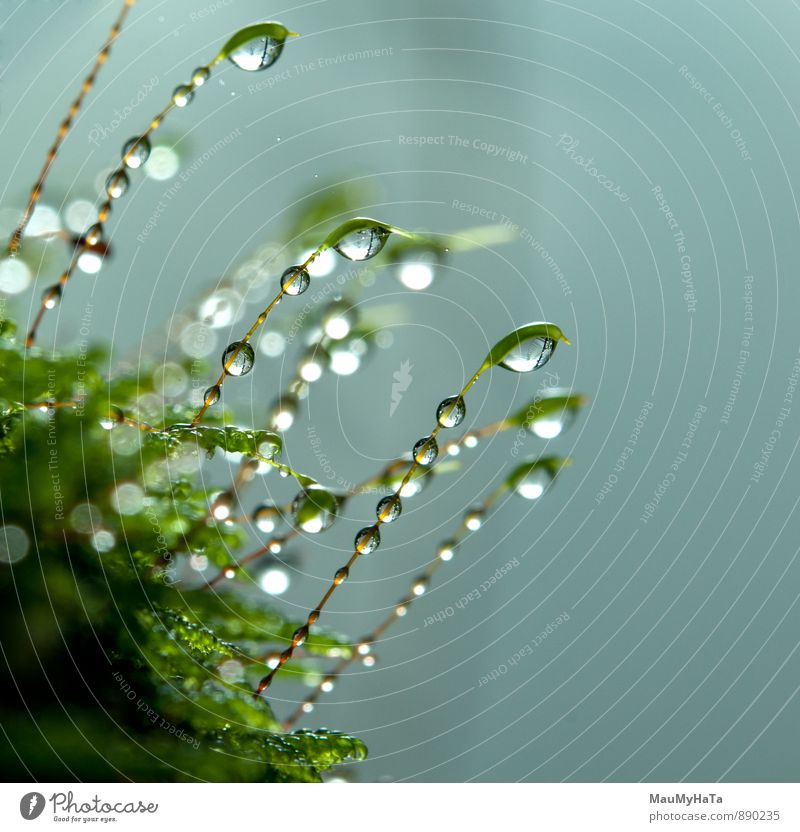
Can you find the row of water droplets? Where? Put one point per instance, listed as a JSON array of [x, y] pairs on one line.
[[257, 54]]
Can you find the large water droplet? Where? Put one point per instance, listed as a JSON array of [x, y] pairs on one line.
[[425, 450], [362, 243], [182, 95], [300, 635], [451, 411], [242, 363], [200, 76], [341, 576], [534, 483], [117, 184], [135, 152], [473, 519], [314, 509], [389, 508], [529, 355], [299, 280], [257, 54], [266, 517], [367, 540]]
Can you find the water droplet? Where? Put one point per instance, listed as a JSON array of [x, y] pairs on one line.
[[266, 517], [534, 483], [416, 268], [344, 362], [300, 635], [473, 519], [341, 576], [367, 540], [471, 441], [283, 412], [257, 54], [211, 396], [369, 661], [115, 417], [274, 581], [93, 235], [182, 95], [362, 243], [238, 358], [446, 550], [529, 355], [451, 411], [338, 320], [419, 586], [314, 509], [51, 297], [363, 648], [221, 506], [15, 275], [426, 450], [221, 308], [117, 184], [200, 76], [326, 685], [313, 364], [299, 280], [127, 498], [135, 152], [389, 508], [400, 610]]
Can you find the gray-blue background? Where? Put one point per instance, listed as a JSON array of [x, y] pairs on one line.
[[679, 656]]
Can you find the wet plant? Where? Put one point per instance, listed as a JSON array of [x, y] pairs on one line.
[[140, 627]]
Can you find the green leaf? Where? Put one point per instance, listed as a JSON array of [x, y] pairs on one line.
[[260, 444], [552, 464], [543, 407]]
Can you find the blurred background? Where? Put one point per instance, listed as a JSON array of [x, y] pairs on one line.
[[641, 157]]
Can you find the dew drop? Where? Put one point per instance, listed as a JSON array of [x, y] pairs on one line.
[[257, 54], [283, 412], [339, 319], [416, 268], [200, 76], [238, 358], [313, 364], [426, 450], [368, 661], [221, 506], [300, 635], [326, 685], [529, 355], [266, 517], [473, 519], [211, 396], [534, 483], [314, 509], [51, 297], [182, 95], [363, 243], [446, 550], [341, 576], [451, 412], [295, 280], [274, 581], [117, 184], [363, 648], [135, 152], [115, 417], [419, 586], [367, 540], [389, 508], [93, 235], [471, 441]]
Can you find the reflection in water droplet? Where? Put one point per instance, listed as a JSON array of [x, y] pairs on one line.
[[135, 152], [266, 517], [314, 509], [211, 396], [529, 355], [182, 95], [534, 483], [425, 450], [367, 540], [117, 184], [451, 411], [200, 76], [389, 508], [363, 243], [257, 54], [238, 358], [295, 280], [51, 297], [341, 576]]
